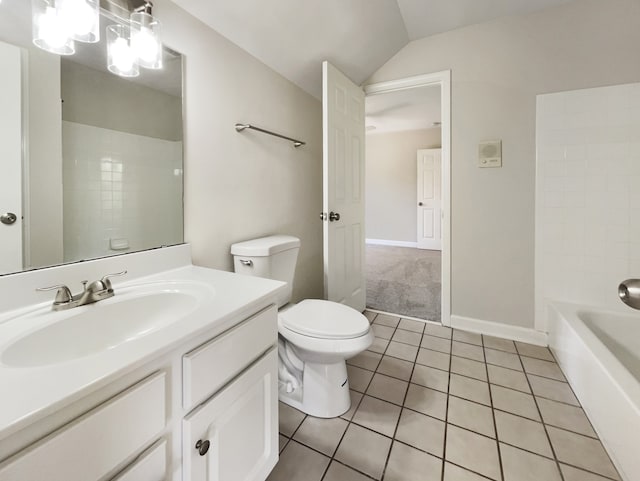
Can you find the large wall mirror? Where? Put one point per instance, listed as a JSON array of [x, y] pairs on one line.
[[91, 161]]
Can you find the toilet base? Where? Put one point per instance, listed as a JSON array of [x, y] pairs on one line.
[[324, 392]]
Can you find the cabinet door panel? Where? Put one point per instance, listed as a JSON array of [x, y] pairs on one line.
[[241, 425], [150, 466]]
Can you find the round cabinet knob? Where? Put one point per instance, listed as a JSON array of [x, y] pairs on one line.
[[203, 446], [334, 216], [420, 204], [323, 216], [8, 218]]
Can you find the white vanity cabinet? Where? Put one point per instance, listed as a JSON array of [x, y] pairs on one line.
[[234, 435]]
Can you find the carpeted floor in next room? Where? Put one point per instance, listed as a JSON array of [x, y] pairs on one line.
[[404, 280]]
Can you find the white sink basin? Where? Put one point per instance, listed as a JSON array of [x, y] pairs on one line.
[[131, 314]]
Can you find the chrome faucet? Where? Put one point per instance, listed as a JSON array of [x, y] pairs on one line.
[[94, 292], [629, 293]]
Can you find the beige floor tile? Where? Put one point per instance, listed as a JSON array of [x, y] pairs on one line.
[[468, 337], [430, 377], [523, 433], [387, 388], [394, 367], [358, 378], [473, 451], [456, 473], [581, 451], [504, 359], [436, 343], [382, 331], [411, 325], [499, 343], [515, 402], [554, 390], [370, 315], [364, 450], [542, 368], [567, 417], [520, 465], [289, 419], [472, 416], [409, 464], [408, 337], [470, 389], [436, 359], [469, 368], [355, 400], [379, 345], [378, 415], [438, 331], [387, 320], [508, 378], [574, 474], [427, 401], [366, 360], [339, 472], [282, 442], [422, 432], [469, 351], [299, 463], [402, 351], [531, 350], [321, 434]]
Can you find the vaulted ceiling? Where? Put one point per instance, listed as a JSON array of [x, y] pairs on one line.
[[293, 37]]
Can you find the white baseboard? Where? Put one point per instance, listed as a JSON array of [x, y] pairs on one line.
[[498, 329], [384, 242]]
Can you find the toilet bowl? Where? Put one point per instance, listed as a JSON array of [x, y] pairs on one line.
[[315, 336]]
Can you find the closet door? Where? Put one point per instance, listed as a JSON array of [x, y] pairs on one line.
[[234, 435]]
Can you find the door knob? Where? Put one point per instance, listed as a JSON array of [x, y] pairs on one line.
[[323, 216], [420, 204], [333, 216], [203, 446], [8, 218]]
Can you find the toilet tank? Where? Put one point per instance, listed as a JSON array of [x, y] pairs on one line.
[[272, 257]]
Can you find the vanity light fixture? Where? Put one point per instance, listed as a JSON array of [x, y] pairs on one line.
[[81, 19], [121, 58], [48, 28], [145, 37]]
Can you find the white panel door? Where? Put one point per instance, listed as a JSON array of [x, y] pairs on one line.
[[10, 159], [343, 193], [430, 199]]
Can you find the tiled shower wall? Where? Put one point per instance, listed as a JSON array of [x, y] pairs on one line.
[[119, 186], [587, 195]]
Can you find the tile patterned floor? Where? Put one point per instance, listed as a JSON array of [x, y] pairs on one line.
[[434, 404]]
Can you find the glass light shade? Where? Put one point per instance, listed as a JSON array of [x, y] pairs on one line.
[[145, 39], [121, 59], [49, 32], [81, 19]]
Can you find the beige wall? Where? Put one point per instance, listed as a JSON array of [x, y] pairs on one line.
[[243, 185], [497, 70], [101, 99], [391, 186], [44, 217]]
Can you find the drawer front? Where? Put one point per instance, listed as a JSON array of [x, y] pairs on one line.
[[210, 366], [240, 425], [150, 466], [96, 443]]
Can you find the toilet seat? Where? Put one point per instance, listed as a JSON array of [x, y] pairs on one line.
[[324, 320]]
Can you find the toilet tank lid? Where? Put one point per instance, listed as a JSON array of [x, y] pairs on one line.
[[265, 246]]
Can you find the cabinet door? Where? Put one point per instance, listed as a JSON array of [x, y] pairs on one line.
[[241, 426]]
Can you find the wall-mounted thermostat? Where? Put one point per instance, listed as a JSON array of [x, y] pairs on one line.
[[490, 153]]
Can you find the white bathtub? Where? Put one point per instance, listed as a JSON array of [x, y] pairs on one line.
[[599, 352]]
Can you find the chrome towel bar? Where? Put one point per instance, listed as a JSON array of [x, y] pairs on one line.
[[241, 127]]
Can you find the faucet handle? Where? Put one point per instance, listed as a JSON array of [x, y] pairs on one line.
[[62, 296], [107, 283]]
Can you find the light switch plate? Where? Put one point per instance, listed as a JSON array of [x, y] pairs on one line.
[[490, 153]]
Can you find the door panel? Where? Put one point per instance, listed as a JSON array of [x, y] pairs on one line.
[[343, 188], [11, 155], [429, 199]]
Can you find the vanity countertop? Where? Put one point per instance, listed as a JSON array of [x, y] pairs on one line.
[[30, 393]]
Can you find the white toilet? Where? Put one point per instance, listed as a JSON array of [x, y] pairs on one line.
[[316, 336]]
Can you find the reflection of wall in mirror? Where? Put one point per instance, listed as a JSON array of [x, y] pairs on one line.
[[122, 151]]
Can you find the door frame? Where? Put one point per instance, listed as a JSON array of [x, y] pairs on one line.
[[443, 79]]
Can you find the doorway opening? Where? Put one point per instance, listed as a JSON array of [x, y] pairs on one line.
[[407, 206]]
